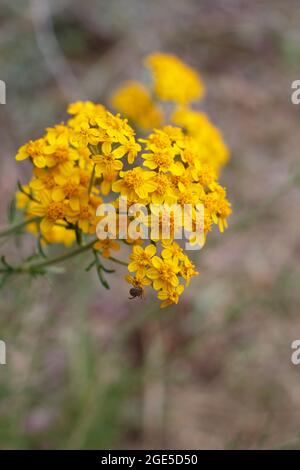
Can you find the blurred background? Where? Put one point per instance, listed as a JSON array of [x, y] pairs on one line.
[[87, 368]]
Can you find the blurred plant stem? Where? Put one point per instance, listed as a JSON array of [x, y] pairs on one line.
[[39, 268], [59, 259], [15, 228]]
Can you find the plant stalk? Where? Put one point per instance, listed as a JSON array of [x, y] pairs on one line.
[[16, 227]]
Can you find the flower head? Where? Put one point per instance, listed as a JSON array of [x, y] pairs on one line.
[[134, 101], [135, 184], [141, 259], [172, 166], [174, 80]]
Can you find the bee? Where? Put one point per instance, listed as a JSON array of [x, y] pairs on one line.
[[136, 292]]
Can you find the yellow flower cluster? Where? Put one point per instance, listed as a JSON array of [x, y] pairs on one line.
[[97, 157], [134, 101], [211, 145], [172, 81], [163, 272], [74, 167], [172, 172]]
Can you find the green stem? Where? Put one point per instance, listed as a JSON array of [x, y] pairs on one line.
[[37, 267], [22, 190], [116, 260], [16, 227], [92, 179]]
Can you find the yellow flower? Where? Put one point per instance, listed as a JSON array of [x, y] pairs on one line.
[[141, 259], [164, 192], [60, 234], [163, 149], [158, 141], [107, 181], [190, 195], [43, 179], [84, 158], [138, 280], [172, 250], [163, 218], [59, 133], [59, 154], [86, 111], [22, 200], [128, 146], [211, 146], [187, 270], [115, 127], [163, 161], [170, 296], [174, 133], [205, 174], [183, 182], [84, 217], [35, 149], [163, 273], [76, 163], [191, 158], [135, 183], [174, 80], [84, 134], [68, 187], [133, 101], [107, 162], [85, 176], [106, 245], [217, 205], [50, 211]]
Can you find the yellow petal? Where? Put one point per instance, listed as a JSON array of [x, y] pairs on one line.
[[47, 225], [158, 284], [106, 148], [150, 250], [150, 164], [58, 195], [137, 250], [117, 186], [39, 162], [105, 187], [74, 204], [152, 273], [157, 262]]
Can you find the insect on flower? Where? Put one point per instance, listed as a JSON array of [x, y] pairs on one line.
[[136, 292]]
